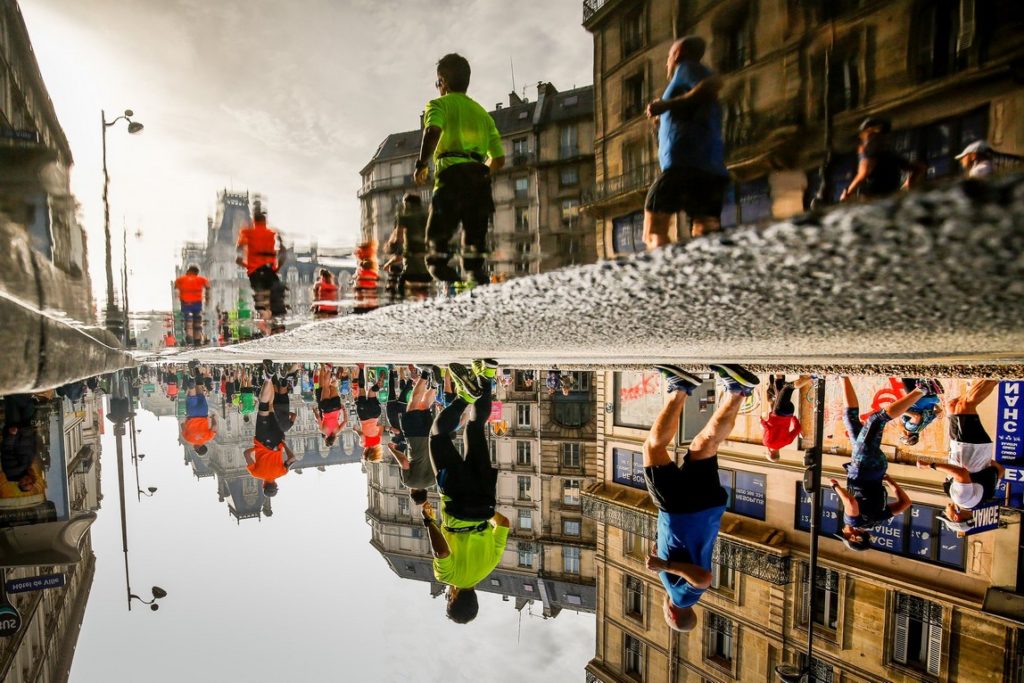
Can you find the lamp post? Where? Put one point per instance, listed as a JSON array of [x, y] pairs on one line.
[[133, 128], [812, 485]]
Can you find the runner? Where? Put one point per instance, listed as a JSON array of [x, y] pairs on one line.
[[778, 418], [400, 387], [267, 460], [410, 238], [688, 123], [880, 170], [469, 543], [200, 425], [976, 160], [368, 411], [366, 279], [416, 471], [192, 287], [325, 291], [922, 413], [330, 414], [262, 254], [466, 148], [246, 394], [973, 472], [689, 497], [864, 499]]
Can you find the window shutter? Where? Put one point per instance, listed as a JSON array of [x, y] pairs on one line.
[[900, 638], [965, 37], [934, 647]]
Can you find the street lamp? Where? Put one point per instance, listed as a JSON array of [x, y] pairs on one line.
[[133, 128], [812, 485], [158, 593], [151, 490]]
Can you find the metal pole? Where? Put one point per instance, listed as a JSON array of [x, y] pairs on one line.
[[119, 433], [814, 455], [106, 212]]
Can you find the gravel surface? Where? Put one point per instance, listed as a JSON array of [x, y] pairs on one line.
[[933, 279]]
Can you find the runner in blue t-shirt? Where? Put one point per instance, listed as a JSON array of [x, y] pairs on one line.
[[690, 499], [688, 122]]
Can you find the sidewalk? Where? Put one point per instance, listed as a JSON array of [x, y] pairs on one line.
[[928, 281]]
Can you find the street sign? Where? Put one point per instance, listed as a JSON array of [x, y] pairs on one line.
[[10, 619], [1010, 438], [35, 583]]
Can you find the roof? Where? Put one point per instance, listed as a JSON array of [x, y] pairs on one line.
[[395, 146], [515, 118], [573, 104]]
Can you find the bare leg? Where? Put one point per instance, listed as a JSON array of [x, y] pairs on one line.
[[705, 445], [663, 431], [656, 227], [267, 391], [977, 392], [705, 225], [802, 381], [897, 408]]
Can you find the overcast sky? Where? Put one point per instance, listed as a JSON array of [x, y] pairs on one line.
[[289, 99]]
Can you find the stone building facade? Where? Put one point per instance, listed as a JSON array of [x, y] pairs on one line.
[[548, 166], [942, 70], [917, 607]]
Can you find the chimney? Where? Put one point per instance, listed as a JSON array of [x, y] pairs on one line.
[[421, 120], [497, 106], [514, 99], [545, 89]]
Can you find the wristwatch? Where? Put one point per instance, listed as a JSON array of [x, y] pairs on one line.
[[420, 164]]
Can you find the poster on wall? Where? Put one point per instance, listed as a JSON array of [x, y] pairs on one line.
[[638, 398], [33, 481]]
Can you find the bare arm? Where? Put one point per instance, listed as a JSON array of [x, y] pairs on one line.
[[500, 520], [999, 468], [863, 169], [438, 545], [496, 163], [696, 576], [240, 256], [431, 136], [291, 455], [850, 505], [704, 92], [959, 474], [247, 454], [902, 499]]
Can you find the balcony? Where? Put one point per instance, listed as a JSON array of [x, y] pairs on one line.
[[392, 183], [592, 7], [523, 159], [635, 181]]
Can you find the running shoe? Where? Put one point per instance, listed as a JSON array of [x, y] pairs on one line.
[[485, 367], [737, 379], [679, 379], [930, 387], [269, 367], [466, 385]]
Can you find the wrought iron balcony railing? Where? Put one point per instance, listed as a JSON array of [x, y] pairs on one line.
[[638, 179]]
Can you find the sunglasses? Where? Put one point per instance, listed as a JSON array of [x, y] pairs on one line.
[[437, 83]]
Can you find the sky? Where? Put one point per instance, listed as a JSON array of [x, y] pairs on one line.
[[301, 595], [287, 99]]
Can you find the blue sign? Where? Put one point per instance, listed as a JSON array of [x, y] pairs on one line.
[[725, 478], [1010, 421], [922, 534], [749, 495], [984, 518], [35, 583], [629, 468], [889, 536]]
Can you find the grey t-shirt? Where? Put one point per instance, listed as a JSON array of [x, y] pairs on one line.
[[420, 474]]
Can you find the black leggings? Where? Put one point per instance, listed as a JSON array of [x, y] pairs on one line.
[[469, 483]]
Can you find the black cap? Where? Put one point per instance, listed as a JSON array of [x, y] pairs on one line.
[[875, 122]]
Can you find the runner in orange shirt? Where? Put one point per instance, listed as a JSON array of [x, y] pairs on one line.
[[262, 255], [266, 459], [191, 287], [200, 425]]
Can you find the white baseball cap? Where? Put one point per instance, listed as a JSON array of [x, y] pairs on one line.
[[955, 526], [976, 147]]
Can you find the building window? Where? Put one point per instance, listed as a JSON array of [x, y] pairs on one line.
[[522, 214], [917, 634], [571, 455], [570, 527], [735, 43], [525, 520], [568, 141], [632, 657], [522, 187], [570, 212], [826, 598], [571, 492], [524, 488], [843, 84], [524, 415], [571, 560], [723, 578], [633, 103], [569, 176], [521, 267], [524, 248], [634, 546], [492, 447], [632, 32], [403, 505], [718, 639], [634, 597], [525, 553], [524, 453], [942, 36], [627, 233], [520, 151]]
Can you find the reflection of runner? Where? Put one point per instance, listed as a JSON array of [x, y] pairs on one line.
[[329, 413], [778, 419], [368, 410], [471, 539], [200, 424], [922, 413], [865, 502], [973, 473], [266, 459], [690, 499], [260, 253], [417, 472], [191, 289]]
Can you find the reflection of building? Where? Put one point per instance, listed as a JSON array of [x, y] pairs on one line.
[[35, 163], [51, 619], [543, 461], [943, 71], [548, 160], [912, 610], [224, 459]]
